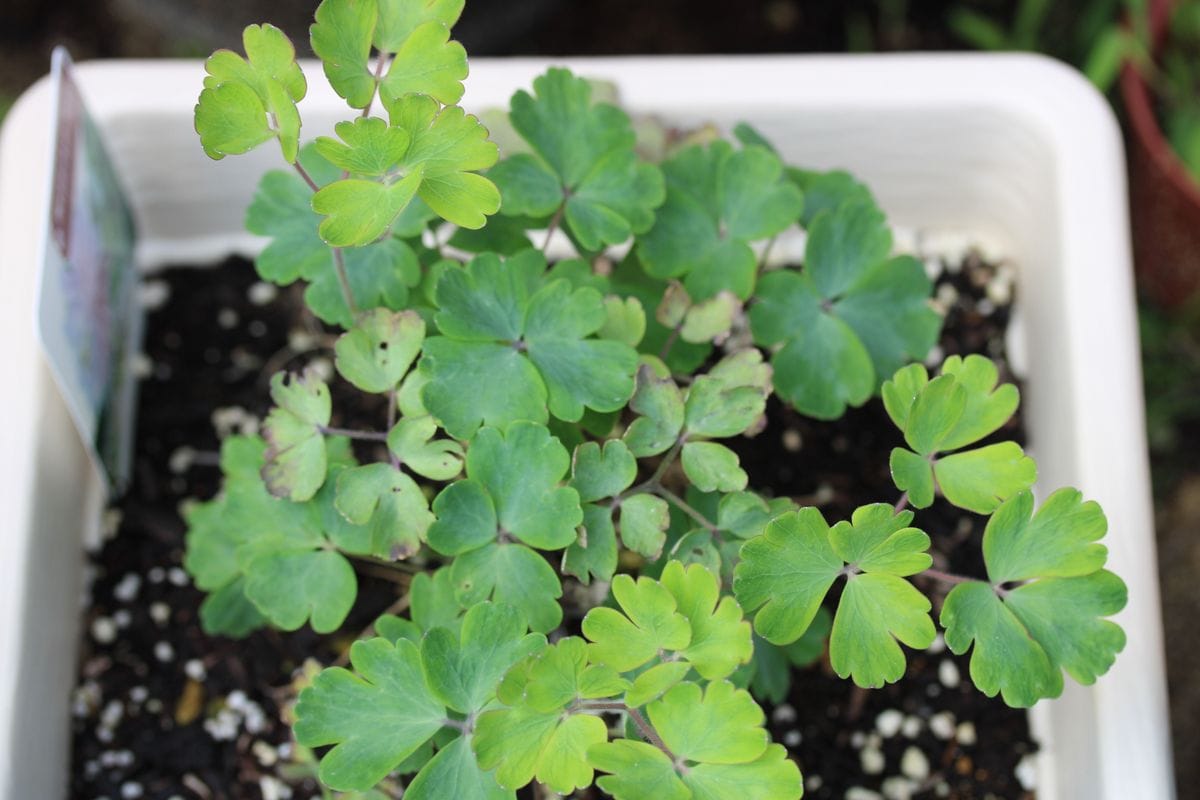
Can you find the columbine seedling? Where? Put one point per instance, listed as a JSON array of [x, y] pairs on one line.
[[553, 420]]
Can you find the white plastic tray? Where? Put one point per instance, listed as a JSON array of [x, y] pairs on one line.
[[1017, 150]]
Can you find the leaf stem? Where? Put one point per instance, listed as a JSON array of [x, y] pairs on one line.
[[339, 265], [654, 481], [762, 260], [304, 174], [946, 577], [683, 506], [901, 504], [391, 422], [670, 342], [553, 226], [643, 726], [379, 62], [367, 436]]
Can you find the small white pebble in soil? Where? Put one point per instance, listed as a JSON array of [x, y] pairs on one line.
[[156, 575], [784, 713], [999, 290], [257, 328], [938, 646], [195, 670], [872, 760], [1026, 772], [154, 705], [112, 714], [273, 789], [858, 739], [236, 700], [85, 699], [914, 764], [985, 307], [898, 788], [177, 576], [122, 618], [824, 494], [91, 769], [141, 366], [888, 723], [131, 790], [935, 356], [227, 318], [941, 725], [792, 738], [153, 294], [139, 695], [946, 296], [300, 340], [255, 720], [127, 588], [224, 726], [181, 460], [792, 441], [265, 753], [948, 674], [933, 268], [964, 734], [322, 368], [942, 789], [116, 758], [164, 652], [813, 782], [860, 793], [911, 727], [104, 630], [260, 293], [111, 522], [160, 612]]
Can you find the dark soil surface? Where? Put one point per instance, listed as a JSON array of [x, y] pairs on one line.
[[164, 711]]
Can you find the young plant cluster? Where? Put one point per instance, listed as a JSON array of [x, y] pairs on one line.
[[566, 421]]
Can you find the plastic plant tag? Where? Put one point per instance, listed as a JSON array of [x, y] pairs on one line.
[[88, 317]]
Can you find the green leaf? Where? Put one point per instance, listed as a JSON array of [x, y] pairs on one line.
[[822, 365], [433, 601], [979, 480], [456, 393], [577, 371], [512, 574], [530, 337], [625, 320], [522, 743], [654, 682], [650, 623], [228, 612], [660, 407], [988, 407], [772, 776], [359, 211], [390, 504], [716, 408], [876, 609], [465, 518], [878, 539], [843, 244], [399, 18], [231, 120], [560, 674], [720, 637], [605, 193], [597, 474], [341, 38], [644, 521], [712, 467], [427, 63], [377, 352], [825, 191], [785, 573], [1059, 541], [462, 671], [745, 514], [710, 320], [290, 583], [281, 209], [368, 146], [721, 726], [639, 771], [246, 101], [375, 719], [411, 440], [448, 147], [455, 767], [913, 474], [718, 200], [295, 457], [595, 552]]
